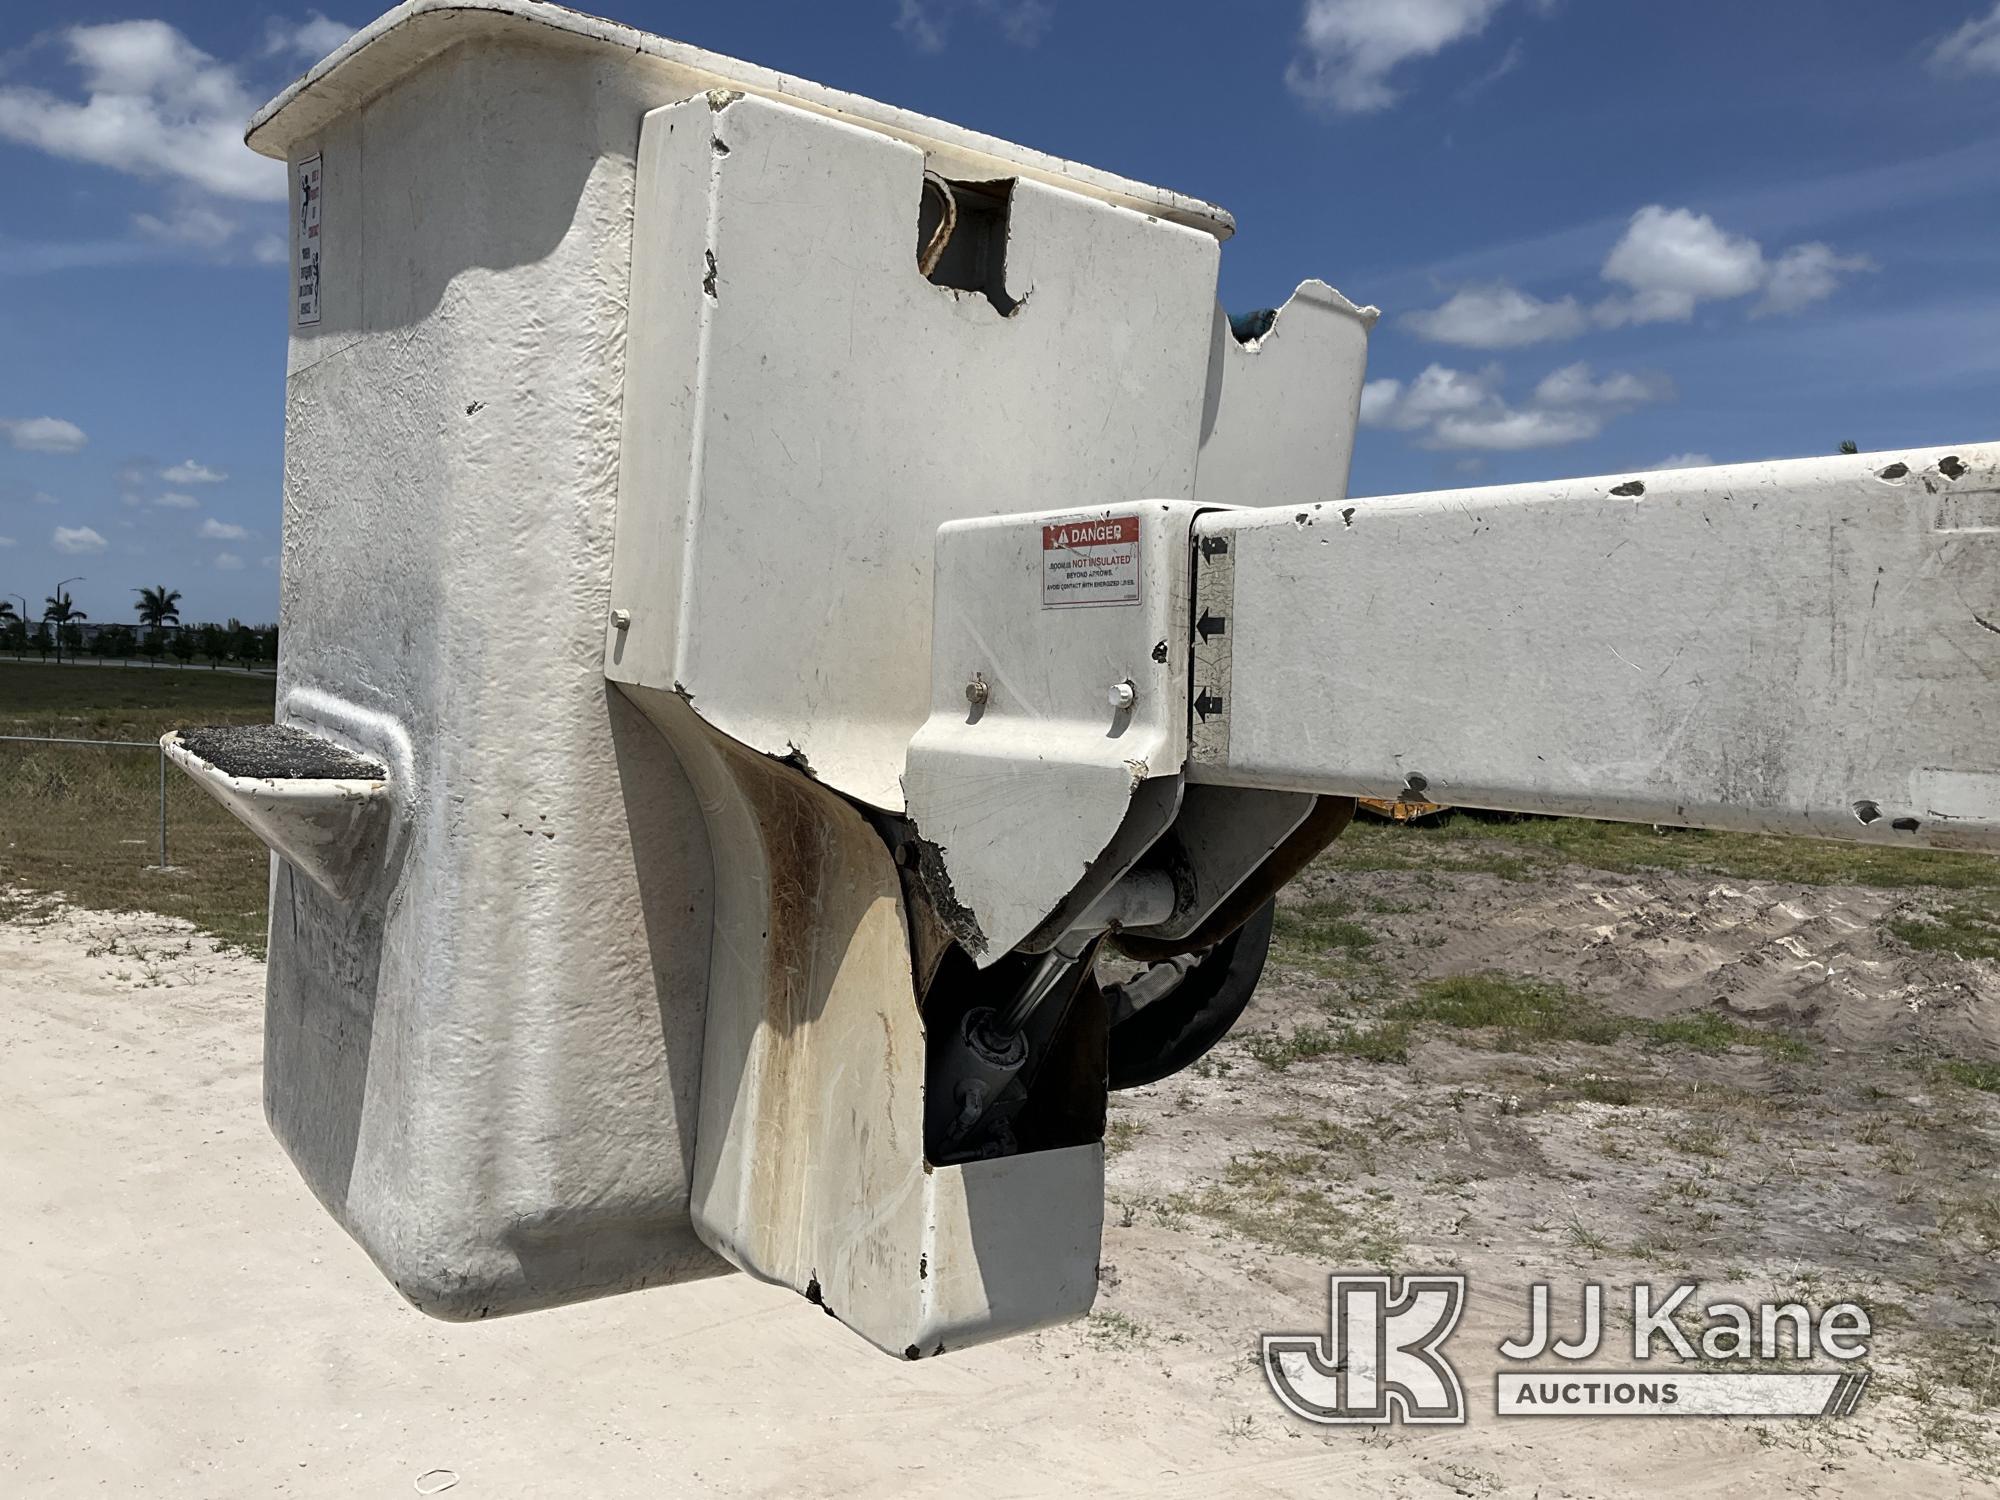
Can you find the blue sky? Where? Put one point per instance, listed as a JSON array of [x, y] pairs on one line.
[[1604, 236]]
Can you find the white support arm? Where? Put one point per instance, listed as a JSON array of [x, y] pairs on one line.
[[1808, 647]]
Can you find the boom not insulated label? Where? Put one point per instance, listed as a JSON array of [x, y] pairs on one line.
[[1090, 562]]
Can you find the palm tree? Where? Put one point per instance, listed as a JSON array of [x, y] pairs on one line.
[[7, 612], [159, 606], [62, 613]]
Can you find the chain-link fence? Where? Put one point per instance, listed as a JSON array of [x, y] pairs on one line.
[[107, 823], [159, 755]]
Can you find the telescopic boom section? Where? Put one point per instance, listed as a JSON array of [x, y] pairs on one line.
[[1807, 647]]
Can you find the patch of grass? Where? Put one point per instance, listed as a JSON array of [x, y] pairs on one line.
[[1272, 1197], [1385, 1042], [1963, 931], [82, 822], [1302, 1044], [1315, 927], [1402, 846], [1967, 1365], [1976, 1218], [1380, 1042], [125, 703], [1514, 846], [1971, 1362], [1984, 1076], [1580, 1236], [1109, 1329], [1601, 1089], [1349, 1149], [1594, 1088], [1699, 1140], [1522, 1013], [1120, 1136], [1705, 1031], [1326, 1135]]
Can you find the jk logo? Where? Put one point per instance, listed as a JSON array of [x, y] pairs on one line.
[[1380, 1362]]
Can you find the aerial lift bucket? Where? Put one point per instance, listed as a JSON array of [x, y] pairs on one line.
[[764, 598]]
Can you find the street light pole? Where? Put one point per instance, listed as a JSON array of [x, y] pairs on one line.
[[53, 602]]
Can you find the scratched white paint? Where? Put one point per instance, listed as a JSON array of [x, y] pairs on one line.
[[804, 409], [485, 1022], [1803, 647], [1022, 793], [1279, 420], [486, 1063], [809, 1167], [404, 39]]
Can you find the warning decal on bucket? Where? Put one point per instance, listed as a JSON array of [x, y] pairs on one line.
[[1091, 562], [305, 200]]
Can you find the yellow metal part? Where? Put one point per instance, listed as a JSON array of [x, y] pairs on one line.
[[1401, 810]]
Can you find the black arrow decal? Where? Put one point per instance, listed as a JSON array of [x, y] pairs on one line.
[[1207, 704], [1209, 624], [1210, 545]]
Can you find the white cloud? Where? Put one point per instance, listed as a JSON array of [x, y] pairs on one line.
[[1573, 386], [8, 541], [1803, 275], [43, 434], [1348, 48], [213, 530], [1498, 317], [308, 41], [1378, 401], [228, 562], [155, 105], [1672, 260], [1513, 431], [43, 497], [1973, 48], [927, 23], [173, 500], [1448, 408], [76, 540], [189, 225], [271, 250], [1685, 461], [1438, 392], [190, 472], [1664, 265]]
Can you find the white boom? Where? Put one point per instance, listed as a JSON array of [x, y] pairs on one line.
[[1807, 647]]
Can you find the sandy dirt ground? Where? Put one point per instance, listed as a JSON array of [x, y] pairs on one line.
[[180, 1318]]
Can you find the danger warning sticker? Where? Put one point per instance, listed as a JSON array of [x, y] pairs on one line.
[[1090, 562], [306, 186]]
